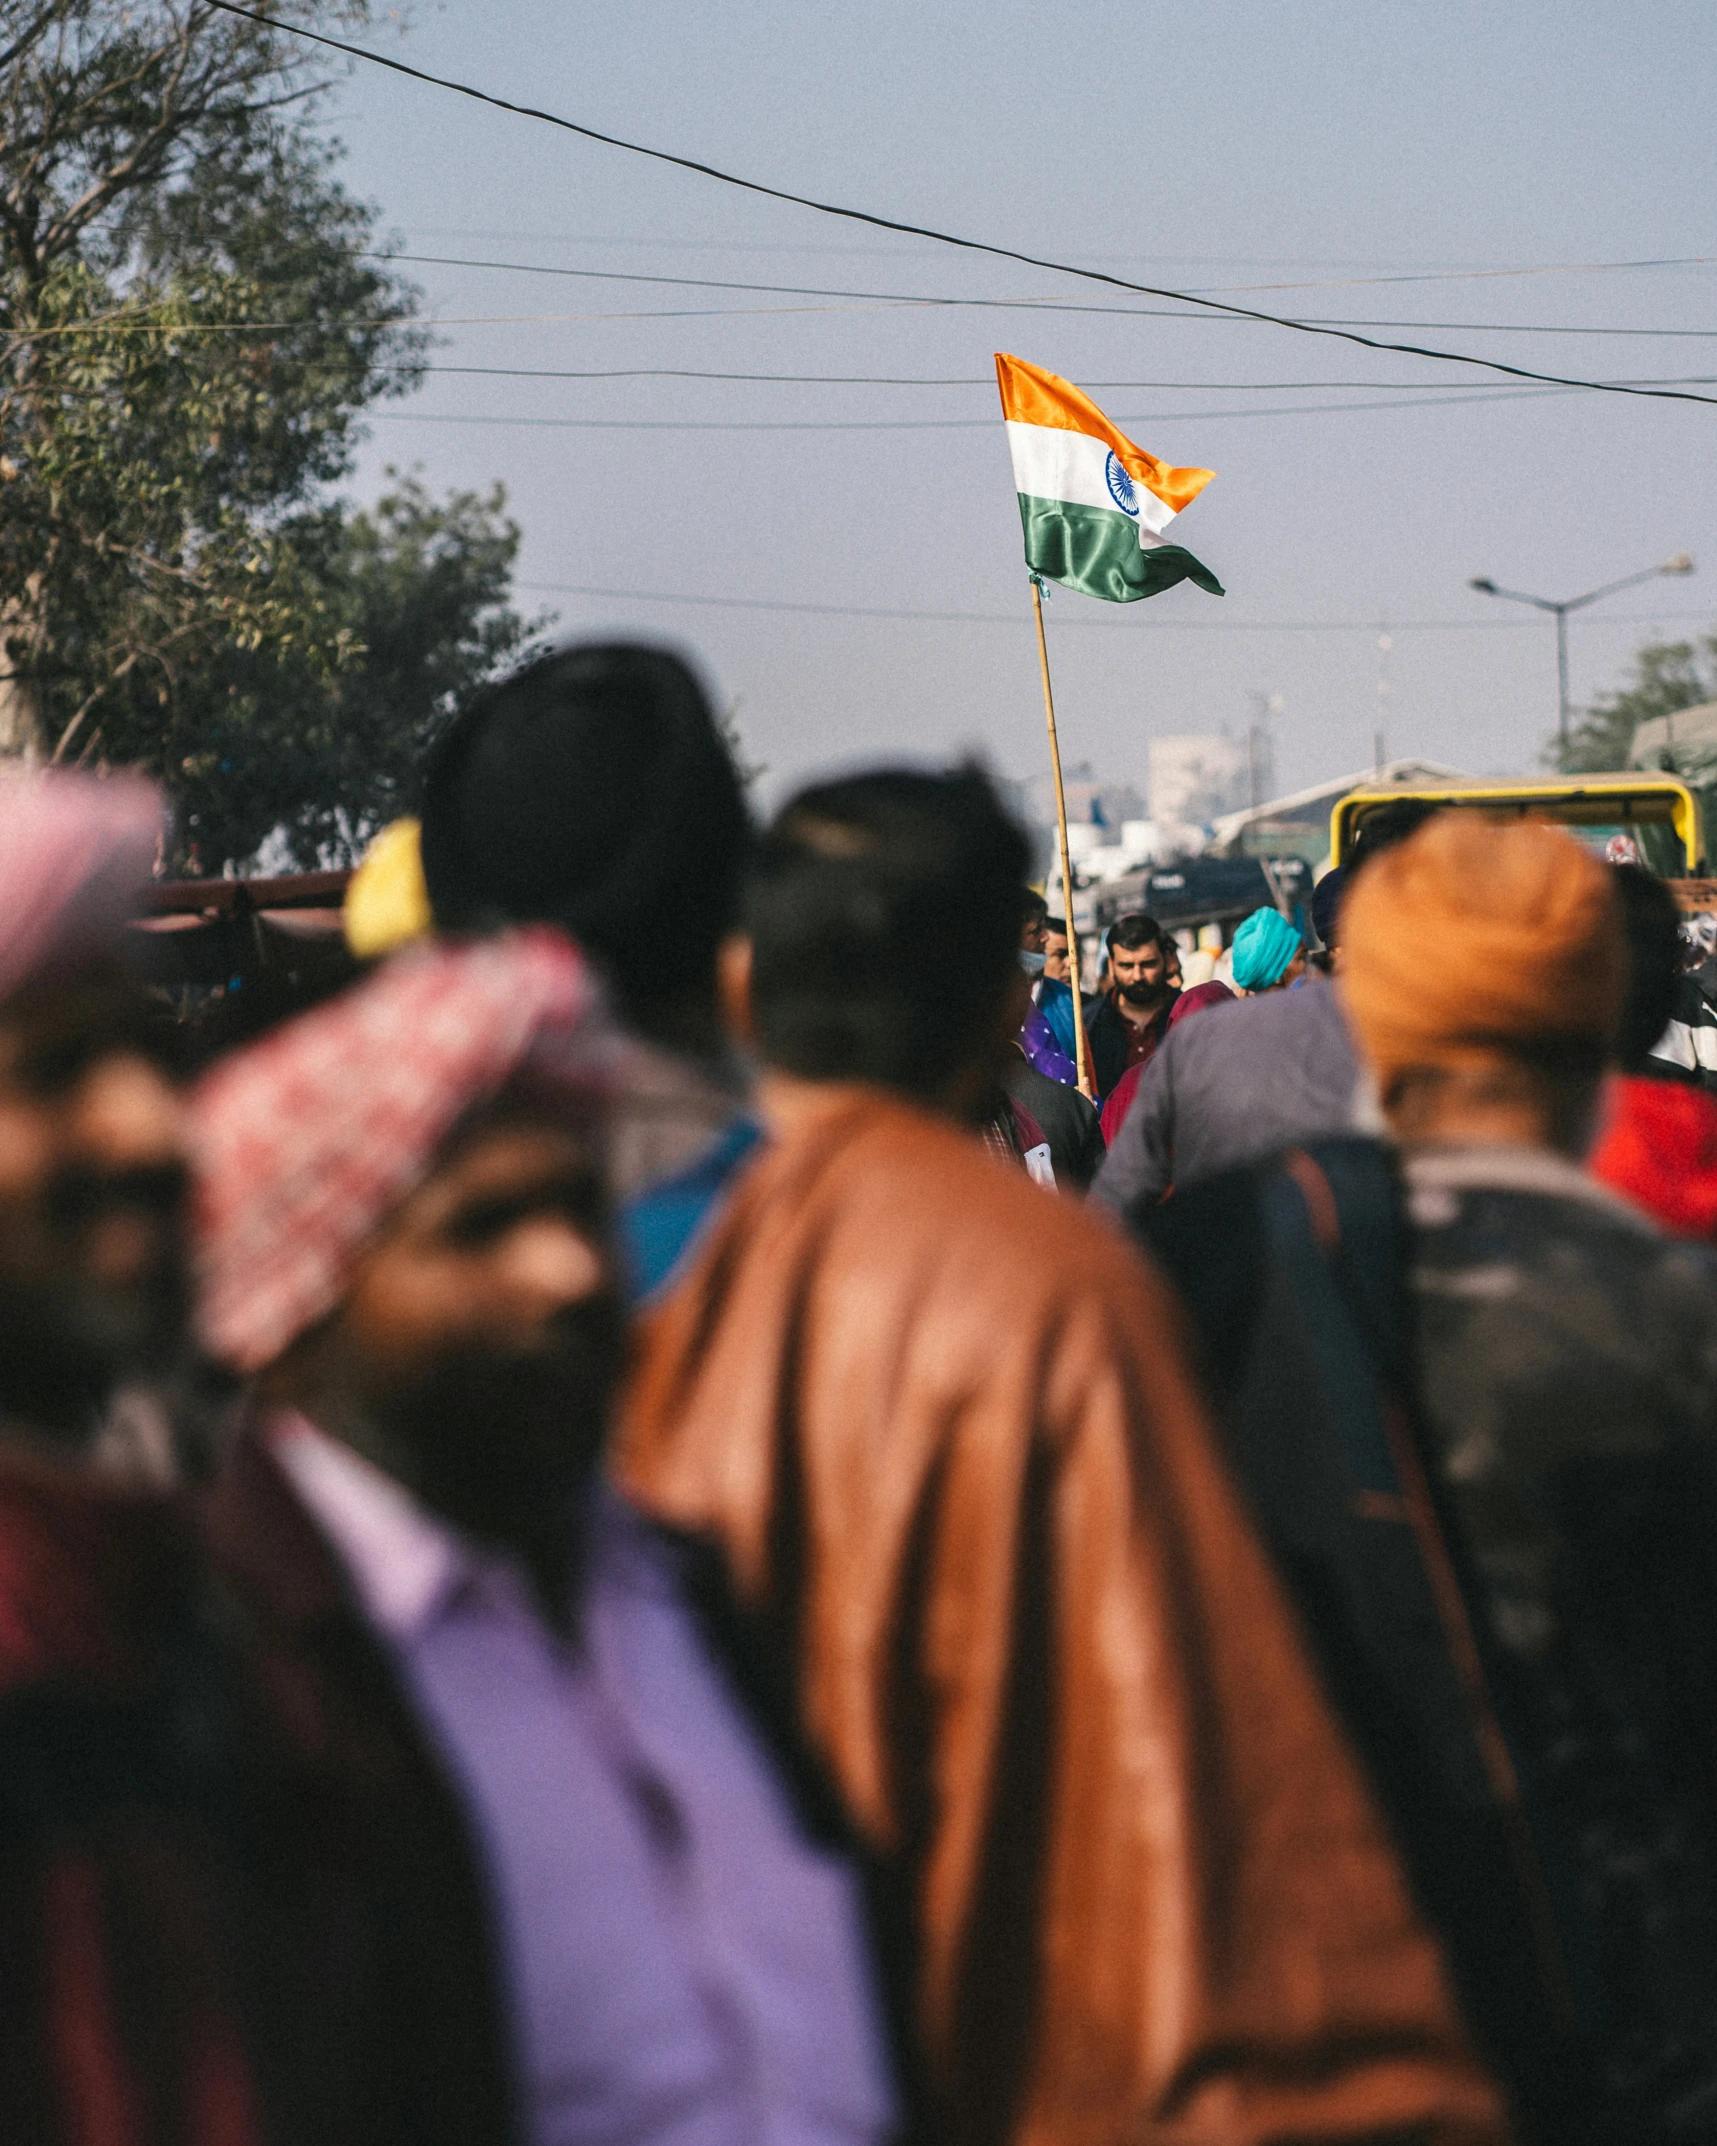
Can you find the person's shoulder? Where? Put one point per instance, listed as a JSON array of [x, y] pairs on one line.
[[1540, 1215], [1271, 1020], [904, 1191]]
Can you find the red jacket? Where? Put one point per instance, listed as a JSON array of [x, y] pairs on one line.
[[118, 1910], [1658, 1148], [238, 1899]]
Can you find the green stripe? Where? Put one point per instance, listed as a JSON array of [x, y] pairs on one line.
[[1098, 552]]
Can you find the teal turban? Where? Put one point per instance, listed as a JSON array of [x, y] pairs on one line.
[[1263, 947]]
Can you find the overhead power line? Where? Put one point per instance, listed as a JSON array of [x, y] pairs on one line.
[[1351, 271], [966, 380], [1103, 621], [1045, 304], [117, 323], [937, 424], [924, 231], [1322, 283]]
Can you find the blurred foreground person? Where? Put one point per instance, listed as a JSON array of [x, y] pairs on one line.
[[117, 2020], [1476, 1427], [1657, 1142], [572, 1872], [1569, 1367], [594, 790], [1282, 1067], [942, 1430]]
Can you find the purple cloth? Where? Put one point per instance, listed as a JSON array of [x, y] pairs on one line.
[[687, 1969], [1038, 1041]]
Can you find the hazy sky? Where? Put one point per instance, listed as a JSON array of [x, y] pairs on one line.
[[1235, 144]]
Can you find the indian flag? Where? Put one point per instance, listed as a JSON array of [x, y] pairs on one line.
[[1094, 505]]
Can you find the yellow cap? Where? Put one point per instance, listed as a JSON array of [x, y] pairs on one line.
[[387, 902]]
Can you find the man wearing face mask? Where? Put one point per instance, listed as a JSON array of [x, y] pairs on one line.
[[1040, 1079], [590, 1887]]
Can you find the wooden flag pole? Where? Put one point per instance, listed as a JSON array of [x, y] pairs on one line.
[[1083, 1054]]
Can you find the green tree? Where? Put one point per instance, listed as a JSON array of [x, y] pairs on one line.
[[194, 315], [266, 743], [1667, 675]]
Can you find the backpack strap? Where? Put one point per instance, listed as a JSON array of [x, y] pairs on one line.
[[1412, 1495]]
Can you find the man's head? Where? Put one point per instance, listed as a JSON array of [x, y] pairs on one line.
[[1268, 953], [1380, 831], [1652, 925], [1033, 922], [479, 1338], [404, 1228], [594, 790], [884, 924], [1057, 961], [1138, 962], [1484, 970], [91, 1153]]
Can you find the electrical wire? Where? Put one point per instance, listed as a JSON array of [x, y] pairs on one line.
[[966, 380], [854, 302], [923, 231], [1103, 621], [1046, 304], [620, 275], [938, 424], [1327, 283]]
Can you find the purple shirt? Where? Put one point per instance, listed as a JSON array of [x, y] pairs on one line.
[[686, 1968]]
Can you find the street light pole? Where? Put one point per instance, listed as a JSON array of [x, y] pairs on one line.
[[1680, 563], [1562, 676]]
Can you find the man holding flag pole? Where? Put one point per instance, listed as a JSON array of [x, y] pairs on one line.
[[1094, 507]]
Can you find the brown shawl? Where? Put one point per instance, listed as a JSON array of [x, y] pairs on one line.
[[941, 1425]]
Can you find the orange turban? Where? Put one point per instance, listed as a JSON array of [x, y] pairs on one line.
[[1474, 939]]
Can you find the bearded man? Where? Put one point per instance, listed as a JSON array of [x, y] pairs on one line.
[[1132, 1016], [590, 1901]]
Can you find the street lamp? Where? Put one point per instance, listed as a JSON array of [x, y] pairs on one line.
[[1680, 563]]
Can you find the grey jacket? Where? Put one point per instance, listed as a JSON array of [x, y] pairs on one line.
[[1232, 1085]]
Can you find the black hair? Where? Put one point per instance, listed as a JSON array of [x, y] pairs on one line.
[[1056, 927], [1326, 904], [1131, 932], [593, 789], [884, 919], [1652, 925], [1033, 909], [1382, 828]]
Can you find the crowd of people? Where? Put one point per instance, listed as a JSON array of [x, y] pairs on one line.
[[645, 1528]]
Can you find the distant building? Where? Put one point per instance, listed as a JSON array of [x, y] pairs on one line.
[[1196, 780]]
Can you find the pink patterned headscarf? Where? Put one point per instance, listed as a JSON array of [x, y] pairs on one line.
[[305, 1143], [75, 853]]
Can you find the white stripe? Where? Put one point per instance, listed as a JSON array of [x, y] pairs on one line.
[[1053, 463]]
